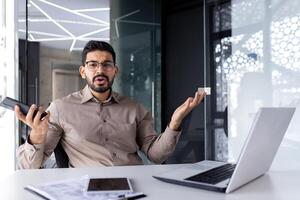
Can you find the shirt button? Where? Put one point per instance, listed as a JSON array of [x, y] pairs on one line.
[[106, 139], [114, 154], [104, 120]]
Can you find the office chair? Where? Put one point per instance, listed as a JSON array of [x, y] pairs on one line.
[[61, 157]]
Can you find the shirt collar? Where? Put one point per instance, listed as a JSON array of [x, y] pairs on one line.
[[87, 96]]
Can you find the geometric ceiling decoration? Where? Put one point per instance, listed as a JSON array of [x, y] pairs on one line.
[[65, 24]]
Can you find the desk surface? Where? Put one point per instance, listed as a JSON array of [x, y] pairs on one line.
[[275, 185]]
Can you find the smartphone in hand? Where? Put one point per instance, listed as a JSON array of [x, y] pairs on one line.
[[10, 103]]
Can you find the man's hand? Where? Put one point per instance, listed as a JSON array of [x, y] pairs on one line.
[[183, 110], [39, 127]]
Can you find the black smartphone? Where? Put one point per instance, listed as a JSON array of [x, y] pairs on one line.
[[10, 103], [109, 185]]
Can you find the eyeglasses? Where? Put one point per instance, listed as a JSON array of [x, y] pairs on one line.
[[93, 65]]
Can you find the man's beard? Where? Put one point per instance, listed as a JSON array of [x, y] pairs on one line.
[[100, 89]]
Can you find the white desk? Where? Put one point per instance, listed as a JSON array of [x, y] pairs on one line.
[[275, 185]]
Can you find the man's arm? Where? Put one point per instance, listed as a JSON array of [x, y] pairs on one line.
[[159, 147], [42, 139]]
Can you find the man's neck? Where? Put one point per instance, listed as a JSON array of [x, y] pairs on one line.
[[101, 96]]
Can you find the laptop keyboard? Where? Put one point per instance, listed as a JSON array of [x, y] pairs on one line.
[[214, 175]]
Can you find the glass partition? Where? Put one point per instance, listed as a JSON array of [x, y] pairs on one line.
[[135, 34], [254, 49]]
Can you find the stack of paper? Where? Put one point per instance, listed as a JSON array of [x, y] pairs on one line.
[[74, 189]]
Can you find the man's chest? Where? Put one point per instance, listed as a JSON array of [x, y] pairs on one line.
[[101, 124]]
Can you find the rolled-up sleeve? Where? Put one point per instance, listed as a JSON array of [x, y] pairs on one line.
[[32, 156], [157, 147]]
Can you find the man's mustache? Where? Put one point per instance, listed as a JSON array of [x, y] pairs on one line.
[[101, 75]]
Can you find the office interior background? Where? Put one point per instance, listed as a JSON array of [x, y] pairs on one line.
[[247, 51]]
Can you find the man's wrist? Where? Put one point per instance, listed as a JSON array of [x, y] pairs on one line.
[[29, 140], [35, 140], [174, 126]]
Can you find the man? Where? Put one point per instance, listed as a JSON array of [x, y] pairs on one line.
[[96, 126]]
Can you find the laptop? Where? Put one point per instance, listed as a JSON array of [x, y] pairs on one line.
[[255, 159]]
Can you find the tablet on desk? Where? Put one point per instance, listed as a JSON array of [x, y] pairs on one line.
[[109, 185]]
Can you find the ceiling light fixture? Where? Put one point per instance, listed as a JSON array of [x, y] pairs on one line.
[[93, 38], [42, 33], [74, 12], [50, 18], [93, 32], [51, 37], [31, 37], [122, 17], [92, 9], [72, 45], [61, 21]]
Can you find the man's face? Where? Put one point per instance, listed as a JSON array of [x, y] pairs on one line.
[[99, 71]]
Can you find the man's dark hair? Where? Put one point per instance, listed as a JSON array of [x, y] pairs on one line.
[[94, 45]]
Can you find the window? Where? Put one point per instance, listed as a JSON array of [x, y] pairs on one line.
[[255, 54], [7, 86]]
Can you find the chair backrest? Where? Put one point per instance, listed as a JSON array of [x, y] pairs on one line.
[[62, 159]]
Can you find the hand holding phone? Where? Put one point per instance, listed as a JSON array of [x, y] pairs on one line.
[[26, 114], [10, 103]]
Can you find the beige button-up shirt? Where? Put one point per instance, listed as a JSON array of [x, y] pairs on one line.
[[99, 134]]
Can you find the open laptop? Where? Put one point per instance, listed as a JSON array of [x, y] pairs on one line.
[[258, 152]]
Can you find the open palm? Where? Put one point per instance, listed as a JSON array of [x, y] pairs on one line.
[[183, 110]]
